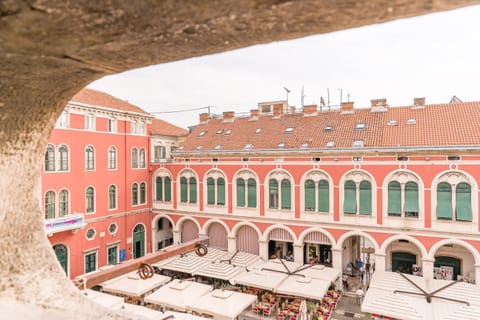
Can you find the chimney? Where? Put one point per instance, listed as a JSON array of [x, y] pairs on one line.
[[378, 102], [204, 117], [277, 109], [254, 113], [310, 110], [228, 116], [347, 105], [418, 102]]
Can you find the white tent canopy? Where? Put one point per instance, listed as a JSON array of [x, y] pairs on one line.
[[132, 285], [223, 304], [177, 294], [188, 263], [219, 270], [383, 298], [134, 310], [307, 287], [262, 279], [104, 299]]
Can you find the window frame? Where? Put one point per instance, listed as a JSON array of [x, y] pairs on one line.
[[89, 200]]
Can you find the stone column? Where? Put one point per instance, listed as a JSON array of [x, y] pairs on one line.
[[232, 244], [380, 261], [427, 268], [177, 237], [477, 274], [263, 249], [337, 258], [298, 253]]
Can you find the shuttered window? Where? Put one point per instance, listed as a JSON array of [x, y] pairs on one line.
[[350, 198], [158, 188], [193, 190], [210, 191], [309, 195], [394, 199], [323, 196], [240, 193], [168, 189], [365, 198], [273, 194], [444, 201], [286, 194], [252, 193], [411, 199], [463, 202], [221, 191], [183, 189]]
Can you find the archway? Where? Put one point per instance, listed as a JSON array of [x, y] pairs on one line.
[[61, 251], [403, 254], [189, 231], [317, 248], [163, 233], [280, 244], [247, 239], [138, 241], [217, 236], [452, 261]]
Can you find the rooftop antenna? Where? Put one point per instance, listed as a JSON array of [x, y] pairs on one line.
[[287, 91], [328, 98], [303, 96], [341, 93], [348, 97]]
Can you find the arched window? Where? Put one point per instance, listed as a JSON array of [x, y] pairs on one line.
[[216, 190], [168, 189], [63, 161], [220, 191], [62, 255], [240, 192], [246, 191], [112, 158], [365, 198], [323, 196], [90, 200], [112, 197], [159, 189], [63, 203], [286, 194], [350, 198], [89, 158], [192, 182], [411, 207], [134, 158], [273, 194], [50, 205], [463, 203], [143, 193], [394, 199], [444, 201], [252, 193], [134, 194], [142, 158], [183, 189], [321, 202], [455, 199], [50, 158], [210, 191]]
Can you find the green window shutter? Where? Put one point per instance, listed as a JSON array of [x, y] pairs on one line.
[[323, 196], [158, 187], [464, 202], [252, 193], [350, 198], [286, 194], [240, 192], [134, 194], [411, 199], [365, 198], [210, 191], [168, 189], [183, 189], [273, 194], [193, 190], [394, 199], [309, 195], [444, 201], [221, 191]]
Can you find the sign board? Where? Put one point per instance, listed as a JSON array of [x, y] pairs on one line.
[[368, 250]]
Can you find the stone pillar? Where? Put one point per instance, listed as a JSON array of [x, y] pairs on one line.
[[337, 258], [177, 237], [263, 249], [427, 268], [232, 244], [298, 253], [477, 274], [380, 261]]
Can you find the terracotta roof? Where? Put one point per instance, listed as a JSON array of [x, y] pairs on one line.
[[436, 125], [164, 128], [102, 99]]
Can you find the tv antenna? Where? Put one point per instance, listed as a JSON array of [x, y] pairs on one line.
[[287, 91]]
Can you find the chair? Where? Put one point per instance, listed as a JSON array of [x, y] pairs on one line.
[[267, 312]]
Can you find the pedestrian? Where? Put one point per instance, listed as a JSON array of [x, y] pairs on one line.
[[359, 294]]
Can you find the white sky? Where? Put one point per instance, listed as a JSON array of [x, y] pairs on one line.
[[435, 56]]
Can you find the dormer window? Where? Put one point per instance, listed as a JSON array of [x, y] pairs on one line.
[[411, 121], [202, 133], [218, 147], [281, 145], [360, 126], [228, 131], [219, 131], [259, 130], [289, 130], [181, 147], [304, 145], [328, 128], [248, 146], [357, 144], [199, 148], [330, 144], [392, 123]]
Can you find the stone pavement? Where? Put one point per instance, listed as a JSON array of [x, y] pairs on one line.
[[348, 307]]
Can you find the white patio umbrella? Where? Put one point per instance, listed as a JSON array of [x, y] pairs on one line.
[[104, 299], [134, 310], [132, 285]]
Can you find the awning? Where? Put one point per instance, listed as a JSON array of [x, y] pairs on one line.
[[188, 263], [132, 285], [307, 287], [223, 304], [177, 294], [104, 299], [392, 295], [134, 310]]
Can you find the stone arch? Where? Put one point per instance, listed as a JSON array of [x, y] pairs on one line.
[[356, 175], [301, 238], [220, 238], [267, 231], [317, 175], [241, 242], [246, 174], [404, 175], [434, 249], [348, 234], [235, 228], [215, 173], [186, 221], [396, 237], [279, 175], [154, 230]]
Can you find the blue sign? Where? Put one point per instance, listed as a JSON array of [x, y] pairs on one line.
[[122, 254]]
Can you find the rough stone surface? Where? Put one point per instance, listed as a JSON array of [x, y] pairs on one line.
[[50, 49]]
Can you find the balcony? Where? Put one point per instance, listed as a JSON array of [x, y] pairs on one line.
[[68, 222]]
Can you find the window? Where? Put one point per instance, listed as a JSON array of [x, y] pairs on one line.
[[280, 193], [112, 197], [143, 193], [330, 144], [90, 234], [289, 130], [227, 132], [89, 122], [158, 189], [50, 158], [112, 255], [403, 199], [202, 133], [199, 147], [168, 189], [218, 147], [142, 158], [90, 262], [360, 126], [112, 158], [304, 145], [90, 200], [411, 121], [258, 130], [141, 128], [216, 191], [188, 189], [50, 205], [219, 131], [453, 158], [357, 144], [357, 198], [159, 152], [63, 203], [281, 145], [89, 158], [328, 128], [317, 196], [392, 123], [248, 146], [134, 194], [63, 120], [112, 228], [247, 197], [273, 194], [134, 158], [192, 184], [63, 158], [450, 196], [183, 189], [112, 125], [133, 127]]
